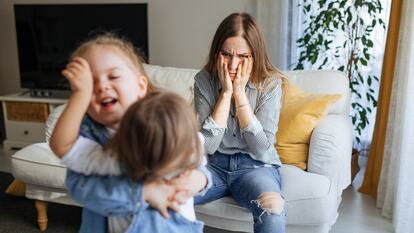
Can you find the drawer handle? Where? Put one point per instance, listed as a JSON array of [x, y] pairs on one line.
[[26, 132]]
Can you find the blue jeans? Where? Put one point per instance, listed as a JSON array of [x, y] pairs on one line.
[[245, 179]]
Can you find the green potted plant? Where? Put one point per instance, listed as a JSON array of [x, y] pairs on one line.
[[338, 35]]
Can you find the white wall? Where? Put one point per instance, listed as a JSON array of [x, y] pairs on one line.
[[180, 32]]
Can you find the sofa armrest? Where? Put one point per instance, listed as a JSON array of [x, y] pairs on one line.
[[36, 164], [330, 149]]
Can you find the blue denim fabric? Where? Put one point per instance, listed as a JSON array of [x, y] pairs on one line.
[[91, 221], [245, 179], [94, 131], [151, 221], [95, 221], [120, 196]]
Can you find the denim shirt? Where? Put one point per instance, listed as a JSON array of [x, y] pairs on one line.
[[121, 196], [96, 221]]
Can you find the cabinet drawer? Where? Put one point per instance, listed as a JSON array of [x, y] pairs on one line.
[[25, 131], [24, 111]]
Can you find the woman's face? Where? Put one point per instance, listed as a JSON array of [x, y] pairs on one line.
[[234, 51]]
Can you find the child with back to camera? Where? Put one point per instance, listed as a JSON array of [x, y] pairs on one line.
[[106, 77]]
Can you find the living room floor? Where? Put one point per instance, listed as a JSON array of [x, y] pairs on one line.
[[357, 212]]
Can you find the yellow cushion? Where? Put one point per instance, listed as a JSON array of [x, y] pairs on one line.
[[17, 188], [299, 115]]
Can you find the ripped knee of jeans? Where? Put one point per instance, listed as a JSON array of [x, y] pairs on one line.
[[270, 203]]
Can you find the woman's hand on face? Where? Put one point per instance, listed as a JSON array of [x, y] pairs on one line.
[[223, 73], [244, 69], [79, 75]]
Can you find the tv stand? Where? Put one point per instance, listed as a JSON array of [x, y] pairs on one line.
[[25, 119], [44, 93]]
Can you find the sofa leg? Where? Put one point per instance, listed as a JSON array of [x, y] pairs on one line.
[[41, 207]]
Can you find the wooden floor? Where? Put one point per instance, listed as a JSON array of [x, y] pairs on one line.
[[358, 212]]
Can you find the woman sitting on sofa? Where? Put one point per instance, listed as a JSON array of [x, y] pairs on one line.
[[238, 99]]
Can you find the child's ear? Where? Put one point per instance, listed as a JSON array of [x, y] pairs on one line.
[[143, 86]]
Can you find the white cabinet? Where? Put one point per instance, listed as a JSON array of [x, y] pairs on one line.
[[25, 119]]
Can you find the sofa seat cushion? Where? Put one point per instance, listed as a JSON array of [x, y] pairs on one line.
[[36, 164], [310, 200], [177, 80]]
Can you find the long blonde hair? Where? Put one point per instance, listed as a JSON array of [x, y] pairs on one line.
[[242, 24]]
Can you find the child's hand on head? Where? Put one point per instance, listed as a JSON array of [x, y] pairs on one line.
[[188, 184], [79, 75], [159, 195], [66, 130]]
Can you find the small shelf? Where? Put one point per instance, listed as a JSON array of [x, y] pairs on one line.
[[25, 119], [26, 97]]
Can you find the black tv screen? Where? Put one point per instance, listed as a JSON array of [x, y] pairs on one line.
[[48, 33]]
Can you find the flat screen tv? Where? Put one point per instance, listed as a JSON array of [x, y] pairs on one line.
[[48, 33]]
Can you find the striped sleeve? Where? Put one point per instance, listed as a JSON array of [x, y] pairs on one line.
[[260, 132], [204, 105]]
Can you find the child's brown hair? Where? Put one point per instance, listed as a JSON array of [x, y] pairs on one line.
[[157, 137], [122, 44]]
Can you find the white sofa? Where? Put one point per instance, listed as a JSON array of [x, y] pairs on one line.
[[312, 196]]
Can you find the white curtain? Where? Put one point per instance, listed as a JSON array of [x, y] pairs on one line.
[[276, 19], [396, 185]]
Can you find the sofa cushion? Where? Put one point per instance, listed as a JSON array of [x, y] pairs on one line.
[[310, 200], [178, 80], [52, 119], [181, 81], [300, 113], [324, 82]]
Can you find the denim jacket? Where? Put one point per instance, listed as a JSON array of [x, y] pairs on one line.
[[120, 196], [93, 222]]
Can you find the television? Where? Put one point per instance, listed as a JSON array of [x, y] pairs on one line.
[[48, 33]]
